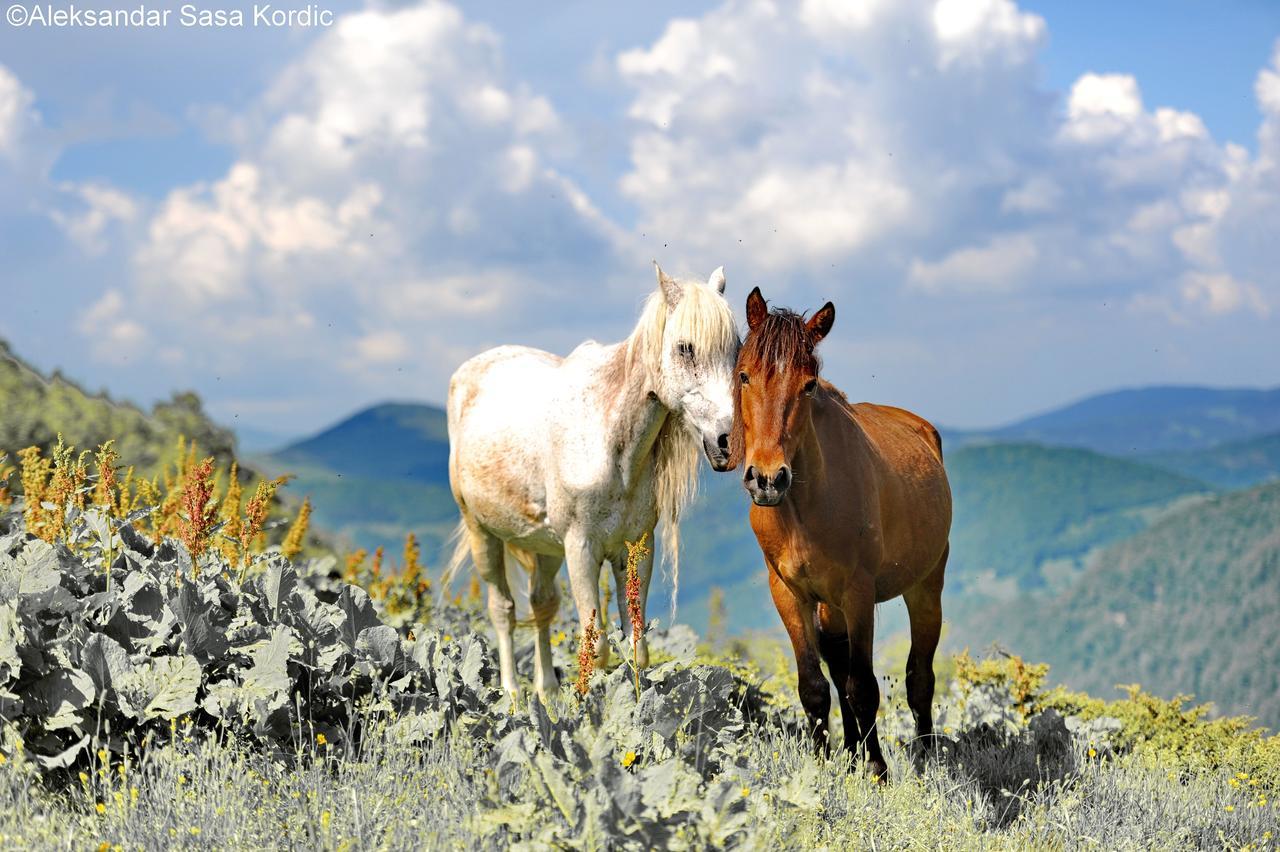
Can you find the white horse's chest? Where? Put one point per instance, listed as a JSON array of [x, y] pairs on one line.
[[596, 484]]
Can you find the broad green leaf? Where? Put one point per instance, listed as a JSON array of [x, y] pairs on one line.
[[64, 758], [278, 580], [357, 613], [104, 660], [57, 698], [268, 679], [33, 571], [162, 688], [11, 636]]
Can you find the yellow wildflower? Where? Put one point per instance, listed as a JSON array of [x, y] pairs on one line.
[[325, 819], [1230, 808], [321, 739], [102, 809], [629, 758]]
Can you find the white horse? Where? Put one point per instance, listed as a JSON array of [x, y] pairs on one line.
[[570, 458]]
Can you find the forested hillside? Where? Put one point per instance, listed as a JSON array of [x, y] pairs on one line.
[[1024, 511], [36, 407], [1238, 464], [1187, 606]]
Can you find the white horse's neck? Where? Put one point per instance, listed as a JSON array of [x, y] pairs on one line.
[[635, 416]]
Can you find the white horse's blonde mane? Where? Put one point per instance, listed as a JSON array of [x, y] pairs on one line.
[[703, 318]]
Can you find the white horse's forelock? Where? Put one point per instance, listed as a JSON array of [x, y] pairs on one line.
[[703, 318]]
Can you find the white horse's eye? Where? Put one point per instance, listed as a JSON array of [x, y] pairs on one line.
[[685, 350]]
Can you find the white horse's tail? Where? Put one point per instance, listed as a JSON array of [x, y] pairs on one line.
[[461, 539]]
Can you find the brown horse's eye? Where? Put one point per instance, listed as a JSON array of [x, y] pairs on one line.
[[742, 377], [809, 386]]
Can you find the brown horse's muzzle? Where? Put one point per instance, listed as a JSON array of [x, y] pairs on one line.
[[766, 489]]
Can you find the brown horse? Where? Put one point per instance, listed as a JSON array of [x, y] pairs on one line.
[[851, 507]]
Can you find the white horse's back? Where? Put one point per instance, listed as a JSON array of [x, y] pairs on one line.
[[498, 405]]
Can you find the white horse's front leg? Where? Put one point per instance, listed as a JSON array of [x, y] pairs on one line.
[[644, 572], [584, 558]]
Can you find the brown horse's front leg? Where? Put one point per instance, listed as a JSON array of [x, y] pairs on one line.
[[861, 688], [811, 683]]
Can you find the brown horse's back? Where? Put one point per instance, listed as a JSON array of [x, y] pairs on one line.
[[912, 505]]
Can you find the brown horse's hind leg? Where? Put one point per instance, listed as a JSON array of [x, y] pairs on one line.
[[924, 607], [811, 683], [861, 687]]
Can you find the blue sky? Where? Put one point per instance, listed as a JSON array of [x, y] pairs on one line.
[[1011, 205]]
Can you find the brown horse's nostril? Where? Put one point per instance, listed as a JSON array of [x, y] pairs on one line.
[[783, 479], [749, 474]]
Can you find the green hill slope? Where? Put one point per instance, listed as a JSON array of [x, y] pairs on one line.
[[34, 408], [1239, 464], [1187, 606], [1026, 513]]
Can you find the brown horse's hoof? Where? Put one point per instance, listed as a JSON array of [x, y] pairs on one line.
[[878, 770]]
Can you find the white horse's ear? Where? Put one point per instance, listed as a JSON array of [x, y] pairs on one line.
[[716, 281], [671, 290]]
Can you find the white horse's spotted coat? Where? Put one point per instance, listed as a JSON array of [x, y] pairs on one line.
[[570, 458]]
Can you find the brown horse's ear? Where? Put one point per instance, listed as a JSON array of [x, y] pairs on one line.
[[819, 325], [757, 310]]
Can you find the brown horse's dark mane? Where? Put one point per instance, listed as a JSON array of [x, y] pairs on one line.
[[780, 342]]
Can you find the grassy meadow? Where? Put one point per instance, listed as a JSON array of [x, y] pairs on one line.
[[171, 677]]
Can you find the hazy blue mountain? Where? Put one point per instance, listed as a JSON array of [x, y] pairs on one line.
[[395, 440], [1238, 464], [1147, 420], [376, 476]]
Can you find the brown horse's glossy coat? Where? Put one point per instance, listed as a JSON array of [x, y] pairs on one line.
[[851, 507]]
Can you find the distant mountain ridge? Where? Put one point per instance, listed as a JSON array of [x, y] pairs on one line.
[[1147, 420]]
